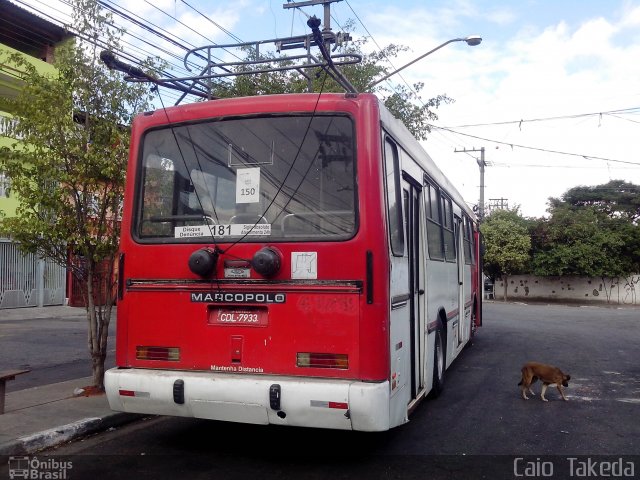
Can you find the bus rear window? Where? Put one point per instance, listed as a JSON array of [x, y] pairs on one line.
[[285, 178]]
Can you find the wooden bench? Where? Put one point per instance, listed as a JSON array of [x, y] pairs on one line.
[[6, 375]]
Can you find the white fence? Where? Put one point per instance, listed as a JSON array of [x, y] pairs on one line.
[[29, 281]]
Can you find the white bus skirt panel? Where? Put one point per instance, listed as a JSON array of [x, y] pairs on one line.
[[305, 402]]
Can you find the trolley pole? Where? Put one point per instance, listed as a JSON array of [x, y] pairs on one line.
[[481, 164]]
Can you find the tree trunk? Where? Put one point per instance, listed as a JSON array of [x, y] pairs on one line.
[[99, 316], [97, 364], [505, 281]]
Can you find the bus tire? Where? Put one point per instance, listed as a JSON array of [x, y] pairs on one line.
[[439, 363], [472, 328]]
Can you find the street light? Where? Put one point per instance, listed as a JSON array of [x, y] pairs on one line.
[[471, 40]]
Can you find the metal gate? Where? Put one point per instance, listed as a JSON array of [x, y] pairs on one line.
[[27, 280]]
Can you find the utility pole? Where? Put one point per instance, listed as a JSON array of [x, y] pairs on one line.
[[326, 27], [481, 164], [327, 9], [498, 204]]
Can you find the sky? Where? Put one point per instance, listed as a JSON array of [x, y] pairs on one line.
[[552, 93]]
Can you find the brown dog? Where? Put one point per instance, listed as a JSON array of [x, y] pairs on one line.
[[547, 374]]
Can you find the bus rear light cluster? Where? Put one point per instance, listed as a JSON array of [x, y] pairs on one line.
[[323, 360], [134, 393], [166, 354]]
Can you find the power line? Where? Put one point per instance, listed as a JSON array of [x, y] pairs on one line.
[[622, 118], [546, 119], [164, 51], [95, 41], [66, 24], [194, 31], [385, 56], [144, 25], [581, 167], [236, 38], [546, 150]]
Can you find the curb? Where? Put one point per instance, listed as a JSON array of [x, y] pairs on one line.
[[53, 437]]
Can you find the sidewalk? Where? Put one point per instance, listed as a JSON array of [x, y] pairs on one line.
[[49, 415], [29, 313]]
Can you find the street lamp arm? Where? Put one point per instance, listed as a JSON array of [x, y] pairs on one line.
[[472, 40]]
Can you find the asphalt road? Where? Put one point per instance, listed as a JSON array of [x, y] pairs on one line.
[[476, 429], [51, 342]]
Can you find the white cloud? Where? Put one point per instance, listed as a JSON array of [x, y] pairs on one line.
[[534, 62], [557, 71]]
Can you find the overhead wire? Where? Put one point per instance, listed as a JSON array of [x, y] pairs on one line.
[[188, 27], [148, 42], [519, 122], [145, 25], [21, 35], [539, 149], [546, 119], [622, 118], [411, 88], [66, 23], [132, 45], [129, 56], [207, 60], [234, 37], [153, 29], [531, 165]]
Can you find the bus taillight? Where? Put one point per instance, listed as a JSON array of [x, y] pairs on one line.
[[323, 360], [167, 354]]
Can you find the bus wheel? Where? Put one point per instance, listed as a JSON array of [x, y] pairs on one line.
[[438, 365], [472, 329]]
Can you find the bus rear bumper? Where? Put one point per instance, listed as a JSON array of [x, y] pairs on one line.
[[246, 398]]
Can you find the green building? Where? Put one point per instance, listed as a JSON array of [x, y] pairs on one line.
[[25, 280], [35, 38]]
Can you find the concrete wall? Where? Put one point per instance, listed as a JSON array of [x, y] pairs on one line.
[[609, 290]]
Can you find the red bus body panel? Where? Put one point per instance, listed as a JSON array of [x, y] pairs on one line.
[[338, 314]]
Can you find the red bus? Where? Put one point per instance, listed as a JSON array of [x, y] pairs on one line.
[[289, 259]]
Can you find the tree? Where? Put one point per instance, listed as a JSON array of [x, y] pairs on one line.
[[616, 199], [586, 237], [404, 102], [507, 244], [617, 207], [68, 168]]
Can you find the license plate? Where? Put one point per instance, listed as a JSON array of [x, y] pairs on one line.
[[247, 317]]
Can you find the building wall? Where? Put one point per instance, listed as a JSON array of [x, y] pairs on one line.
[[25, 280], [609, 290], [8, 200], [10, 85]]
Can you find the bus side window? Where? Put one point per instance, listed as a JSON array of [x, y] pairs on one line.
[[447, 224], [468, 241], [394, 202], [434, 227]]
